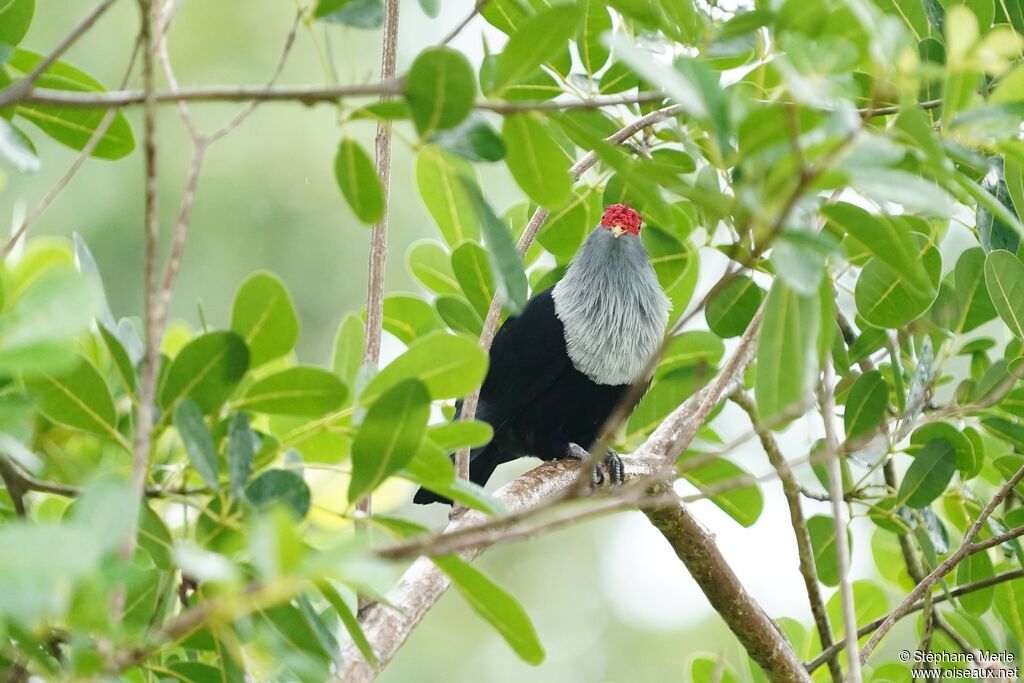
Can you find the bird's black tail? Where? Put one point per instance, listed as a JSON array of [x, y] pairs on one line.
[[482, 463]]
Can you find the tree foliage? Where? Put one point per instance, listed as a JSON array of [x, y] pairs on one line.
[[856, 164]]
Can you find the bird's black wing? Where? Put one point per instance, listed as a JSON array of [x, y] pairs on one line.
[[527, 357]]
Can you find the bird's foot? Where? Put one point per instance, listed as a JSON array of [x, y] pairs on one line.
[[612, 463]]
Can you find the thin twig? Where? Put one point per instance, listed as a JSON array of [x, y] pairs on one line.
[[151, 348], [835, 485], [378, 256], [315, 94], [805, 552], [76, 165], [17, 91], [477, 6], [966, 548], [816, 663]]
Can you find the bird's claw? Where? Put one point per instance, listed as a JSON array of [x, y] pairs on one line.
[[612, 463]]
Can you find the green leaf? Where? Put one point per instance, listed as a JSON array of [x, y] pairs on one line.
[[1004, 275], [696, 347], [408, 317], [15, 18], [367, 14], [537, 163], [590, 39], [787, 358], [994, 231], [669, 256], [460, 434], [36, 333], [303, 391], [1009, 603], [744, 504], [888, 239], [264, 316], [564, 230], [206, 370], [241, 449], [15, 146], [472, 268], [348, 348], [505, 262], [870, 602], [432, 469], [358, 181], [731, 308], [1010, 432], [431, 8], [973, 568], [440, 89], [538, 40], [474, 140], [68, 125], [972, 291], [280, 486], [444, 195], [118, 354], [966, 461], [351, 623], [390, 435], [886, 299], [494, 605], [929, 474], [865, 405], [822, 530], [459, 315], [705, 669], [430, 263], [202, 453], [79, 398]]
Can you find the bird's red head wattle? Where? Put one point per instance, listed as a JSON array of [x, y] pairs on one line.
[[623, 217]]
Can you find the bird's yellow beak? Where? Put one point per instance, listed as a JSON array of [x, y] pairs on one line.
[[618, 231]]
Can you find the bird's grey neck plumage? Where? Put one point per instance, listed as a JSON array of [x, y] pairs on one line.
[[612, 307]]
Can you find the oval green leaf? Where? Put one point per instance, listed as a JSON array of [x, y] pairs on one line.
[[202, 453], [929, 475], [441, 189], [1004, 274], [449, 365], [389, 437], [537, 163], [358, 181], [72, 126], [78, 398], [865, 405], [440, 89], [495, 605], [302, 391], [731, 308], [206, 370], [264, 316], [787, 358]]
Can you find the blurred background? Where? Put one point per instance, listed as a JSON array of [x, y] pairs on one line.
[[609, 598]]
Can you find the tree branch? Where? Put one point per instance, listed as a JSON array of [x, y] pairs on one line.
[[387, 627], [17, 91], [918, 606], [151, 349], [379, 235], [792, 490], [835, 487], [761, 638], [966, 548]]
